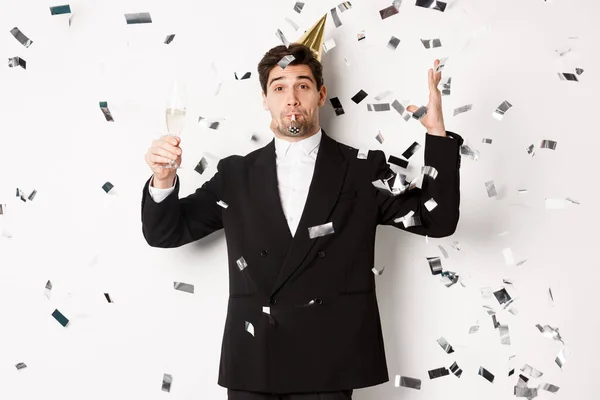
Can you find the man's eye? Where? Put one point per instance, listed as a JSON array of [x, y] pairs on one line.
[[278, 87], [306, 86]]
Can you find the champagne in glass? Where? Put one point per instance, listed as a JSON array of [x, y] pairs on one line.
[[175, 113]]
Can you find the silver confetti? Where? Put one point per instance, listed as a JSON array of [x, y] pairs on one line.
[[336, 18], [361, 35], [454, 368], [568, 76], [241, 263], [20, 366], [445, 345], [378, 107], [401, 110], [298, 7], [292, 23], [282, 38], [208, 123], [529, 370], [166, 383], [383, 95], [456, 245], [393, 43], [169, 39], [363, 154], [249, 327], [184, 287], [501, 110], [491, 189], [328, 45], [17, 62], [435, 264], [48, 289], [486, 374], [468, 152], [504, 334], [550, 332], [474, 328], [438, 373], [431, 43], [320, 230], [247, 75], [420, 113], [444, 252], [548, 387], [430, 171], [376, 271], [463, 109], [548, 144], [531, 150], [379, 137], [222, 204], [430, 204], [285, 61], [412, 221], [431, 4], [486, 141], [267, 310], [561, 357], [106, 111], [388, 12], [441, 65], [524, 391], [445, 86], [138, 18], [24, 40], [346, 5], [405, 381], [502, 296]]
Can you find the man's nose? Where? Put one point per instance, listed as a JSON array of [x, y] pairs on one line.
[[292, 100]]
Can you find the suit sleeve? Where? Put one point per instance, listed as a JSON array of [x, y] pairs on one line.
[[174, 222], [442, 153]]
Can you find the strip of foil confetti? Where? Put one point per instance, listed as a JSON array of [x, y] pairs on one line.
[[405, 381], [320, 230], [184, 287], [20, 36]]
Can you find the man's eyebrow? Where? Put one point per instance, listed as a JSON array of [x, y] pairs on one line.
[[297, 78]]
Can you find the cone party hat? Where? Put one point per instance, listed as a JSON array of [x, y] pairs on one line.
[[313, 38]]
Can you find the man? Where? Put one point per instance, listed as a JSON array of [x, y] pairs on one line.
[[302, 318]]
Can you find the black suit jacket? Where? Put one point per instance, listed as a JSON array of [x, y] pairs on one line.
[[323, 331]]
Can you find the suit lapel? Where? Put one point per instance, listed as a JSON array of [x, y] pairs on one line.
[[327, 180]]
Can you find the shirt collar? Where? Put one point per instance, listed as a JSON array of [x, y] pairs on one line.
[[307, 145]]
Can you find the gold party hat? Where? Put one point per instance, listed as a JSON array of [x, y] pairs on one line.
[[313, 37]]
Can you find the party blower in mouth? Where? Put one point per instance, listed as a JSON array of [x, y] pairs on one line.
[[294, 130]]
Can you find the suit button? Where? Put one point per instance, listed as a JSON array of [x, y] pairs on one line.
[[321, 254], [272, 301], [264, 253], [318, 301]]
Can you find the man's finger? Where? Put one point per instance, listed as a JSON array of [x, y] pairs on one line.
[[412, 108]]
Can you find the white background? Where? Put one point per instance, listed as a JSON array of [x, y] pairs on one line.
[[55, 139]]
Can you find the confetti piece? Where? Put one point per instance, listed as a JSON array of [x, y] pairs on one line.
[[60, 318], [363, 154], [393, 43], [247, 75], [17, 61], [48, 289], [266, 310], [360, 96], [420, 113], [346, 5], [337, 106], [285, 61], [378, 107], [504, 334], [431, 43], [241, 263], [105, 111], [531, 150], [474, 328], [550, 332], [548, 387], [430, 205], [201, 166], [438, 373], [397, 161], [328, 45], [320, 230], [57, 10], [249, 328], [435, 264], [431, 4], [501, 110], [468, 152], [567, 76], [430, 171], [445, 345], [32, 195], [298, 7], [208, 123], [361, 35], [282, 38], [529, 370], [336, 18], [388, 12], [183, 287], [376, 271], [445, 85], [401, 110], [548, 144], [107, 187], [561, 358], [24, 40], [405, 381], [408, 153], [222, 204], [491, 189], [169, 38], [444, 252], [441, 65], [486, 374], [502, 296], [486, 141], [138, 18], [383, 95], [20, 366], [462, 109], [379, 137], [166, 383], [107, 297]]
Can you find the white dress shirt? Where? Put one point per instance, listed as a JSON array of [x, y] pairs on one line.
[[295, 167]]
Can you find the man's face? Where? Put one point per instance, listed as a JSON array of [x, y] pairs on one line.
[[293, 90]]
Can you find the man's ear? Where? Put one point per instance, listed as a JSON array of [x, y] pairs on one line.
[[322, 95], [265, 105]]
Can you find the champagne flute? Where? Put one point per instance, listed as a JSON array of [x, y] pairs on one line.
[[175, 112]]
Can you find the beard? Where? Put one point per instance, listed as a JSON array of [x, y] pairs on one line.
[[304, 127]]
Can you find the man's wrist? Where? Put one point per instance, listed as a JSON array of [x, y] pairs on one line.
[[437, 131]]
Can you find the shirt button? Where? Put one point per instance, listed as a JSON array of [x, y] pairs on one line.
[[264, 253], [272, 301], [321, 254], [318, 301]]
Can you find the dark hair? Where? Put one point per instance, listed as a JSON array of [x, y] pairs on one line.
[[303, 55]]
